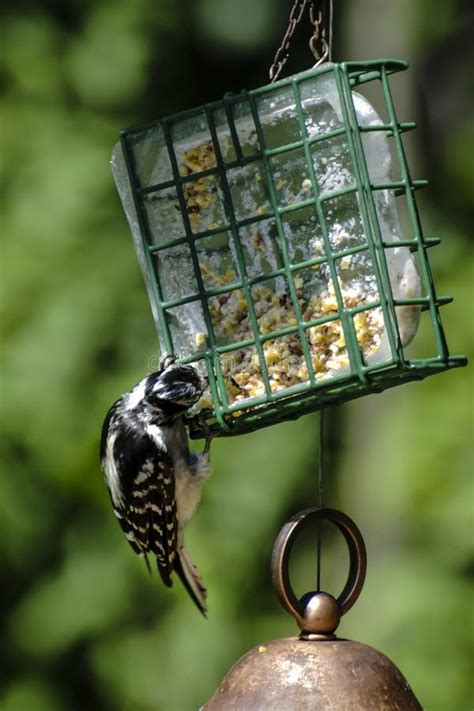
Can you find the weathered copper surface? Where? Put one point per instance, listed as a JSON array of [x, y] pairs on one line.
[[297, 675], [315, 671]]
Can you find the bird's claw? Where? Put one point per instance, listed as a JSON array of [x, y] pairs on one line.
[[207, 446], [166, 361]]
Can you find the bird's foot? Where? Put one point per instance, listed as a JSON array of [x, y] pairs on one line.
[[166, 361], [207, 446]]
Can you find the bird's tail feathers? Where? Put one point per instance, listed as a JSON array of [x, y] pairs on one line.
[[191, 579]]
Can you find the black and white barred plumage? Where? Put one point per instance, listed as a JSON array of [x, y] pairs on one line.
[[153, 479]]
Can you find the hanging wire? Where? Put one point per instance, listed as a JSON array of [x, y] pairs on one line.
[[320, 43], [320, 498]]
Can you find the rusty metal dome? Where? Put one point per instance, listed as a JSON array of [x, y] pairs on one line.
[[315, 671]]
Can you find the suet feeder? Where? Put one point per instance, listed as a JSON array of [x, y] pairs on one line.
[[281, 245]]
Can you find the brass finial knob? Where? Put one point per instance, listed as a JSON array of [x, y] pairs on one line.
[[318, 613]]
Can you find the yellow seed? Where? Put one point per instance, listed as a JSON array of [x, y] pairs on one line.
[[283, 356], [200, 339]]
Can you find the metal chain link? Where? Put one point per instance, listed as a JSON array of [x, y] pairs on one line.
[[320, 41], [283, 51]]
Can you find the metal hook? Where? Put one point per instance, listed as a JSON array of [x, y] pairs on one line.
[[355, 580]]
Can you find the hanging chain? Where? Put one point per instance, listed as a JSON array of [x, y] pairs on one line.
[[320, 41], [281, 57]]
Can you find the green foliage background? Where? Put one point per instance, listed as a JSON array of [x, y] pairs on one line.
[[83, 625]]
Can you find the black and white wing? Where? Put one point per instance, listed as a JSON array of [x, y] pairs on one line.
[[140, 477], [141, 484]]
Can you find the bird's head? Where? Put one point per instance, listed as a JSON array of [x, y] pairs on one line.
[[174, 389]]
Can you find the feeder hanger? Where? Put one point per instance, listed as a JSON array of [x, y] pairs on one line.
[[320, 42]]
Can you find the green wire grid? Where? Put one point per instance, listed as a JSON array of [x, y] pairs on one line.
[[361, 378]]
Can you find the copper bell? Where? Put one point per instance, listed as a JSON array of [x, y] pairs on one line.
[[315, 671]]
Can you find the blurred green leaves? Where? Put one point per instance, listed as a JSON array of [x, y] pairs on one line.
[[84, 626], [82, 607], [31, 57], [235, 26], [108, 62], [31, 693]]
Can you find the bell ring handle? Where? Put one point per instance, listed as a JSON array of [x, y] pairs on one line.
[[281, 558]]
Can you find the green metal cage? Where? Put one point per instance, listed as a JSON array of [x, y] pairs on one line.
[[178, 233]]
